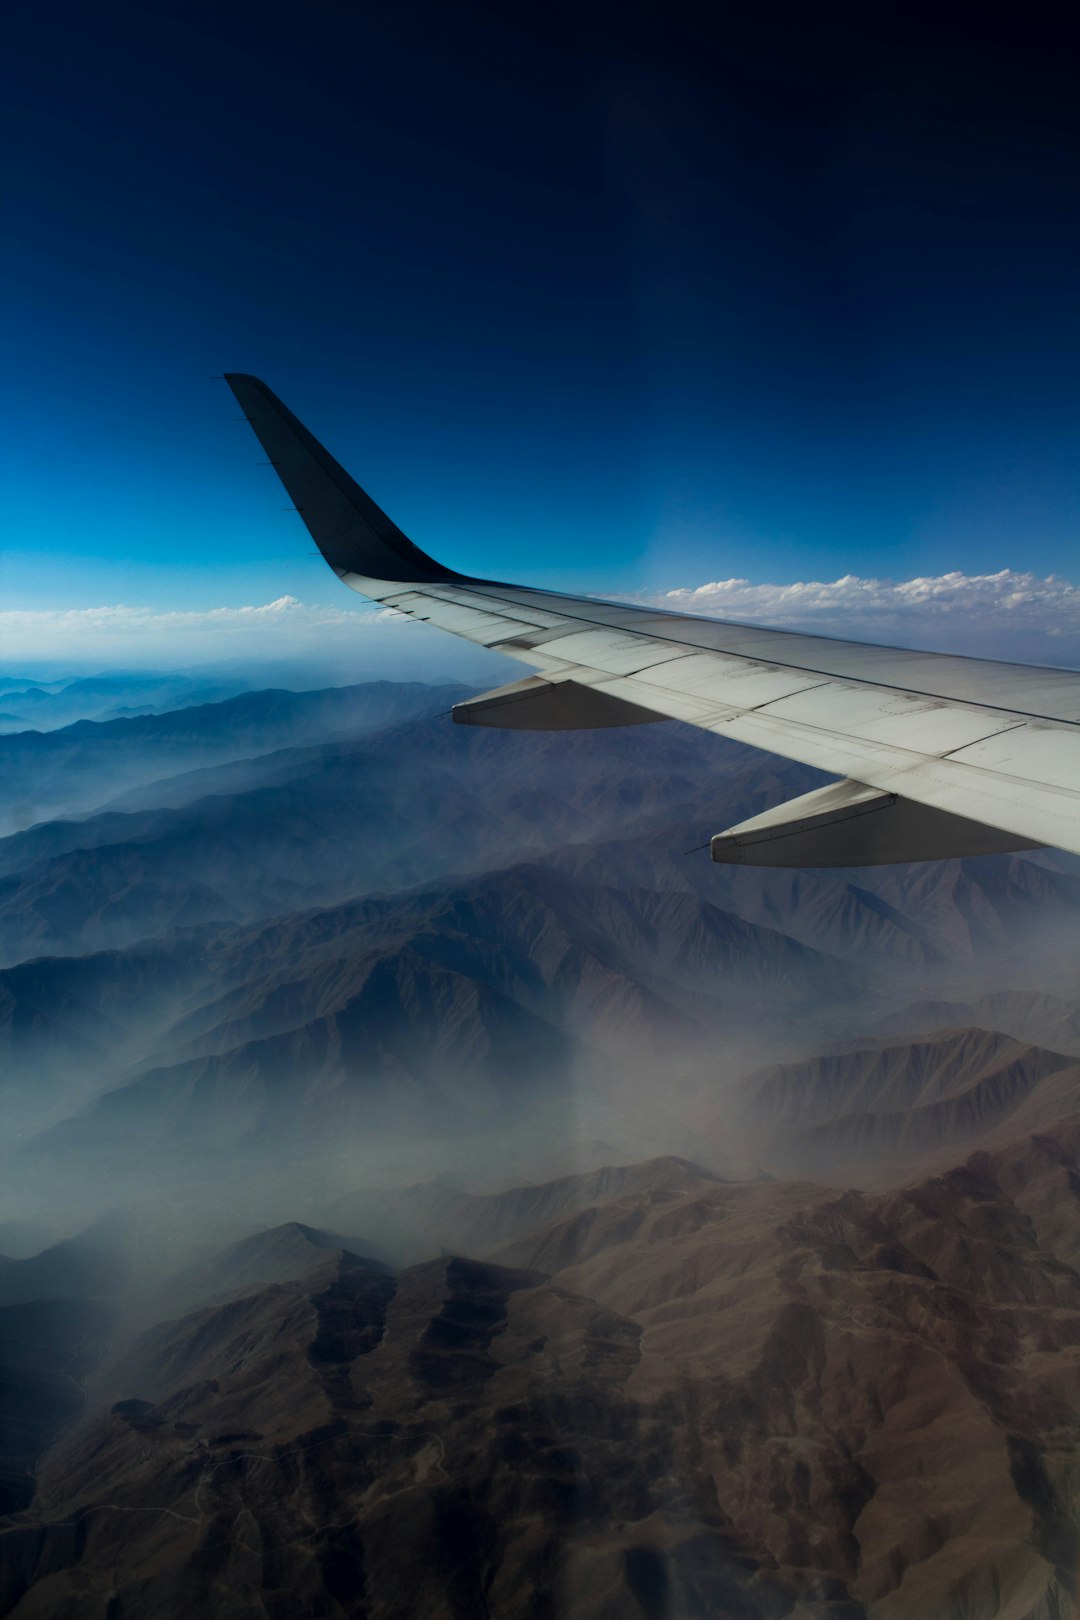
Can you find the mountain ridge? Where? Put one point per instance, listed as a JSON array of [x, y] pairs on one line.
[[764, 1398]]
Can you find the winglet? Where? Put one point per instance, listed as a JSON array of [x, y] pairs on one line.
[[354, 535]]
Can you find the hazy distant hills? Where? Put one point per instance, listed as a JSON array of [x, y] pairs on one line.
[[757, 1399], [227, 1009], [934, 912], [473, 998], [95, 1264], [415, 802], [875, 1101], [314, 825], [413, 1046], [270, 975], [278, 1255], [411, 1221], [64, 772], [70, 1026], [1030, 1015], [317, 824], [46, 705]]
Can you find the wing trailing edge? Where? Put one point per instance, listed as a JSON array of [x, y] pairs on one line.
[[558, 704]]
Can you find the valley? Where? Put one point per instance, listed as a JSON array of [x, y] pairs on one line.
[[432, 1190]]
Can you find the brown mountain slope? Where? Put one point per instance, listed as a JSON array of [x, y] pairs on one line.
[[464, 1447], [881, 1102], [885, 1387], [767, 1399], [1029, 1015], [416, 1221]]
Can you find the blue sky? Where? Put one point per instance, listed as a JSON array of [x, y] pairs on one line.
[[585, 297]]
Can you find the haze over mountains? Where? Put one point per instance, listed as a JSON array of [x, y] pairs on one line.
[[93, 762], [274, 834], [458, 1196], [32, 704]]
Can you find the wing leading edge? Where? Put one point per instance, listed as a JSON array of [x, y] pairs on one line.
[[939, 755]]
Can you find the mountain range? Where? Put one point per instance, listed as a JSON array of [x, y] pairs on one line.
[[463, 1198], [900, 1099], [311, 825], [84, 765], [666, 1393], [47, 705]]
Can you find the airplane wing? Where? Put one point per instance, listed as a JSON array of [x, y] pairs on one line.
[[937, 755]]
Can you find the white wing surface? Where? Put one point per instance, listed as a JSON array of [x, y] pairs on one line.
[[937, 755]]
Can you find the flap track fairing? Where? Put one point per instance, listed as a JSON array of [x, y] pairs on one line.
[[850, 824]]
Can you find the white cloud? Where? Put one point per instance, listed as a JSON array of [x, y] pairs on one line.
[[119, 633], [121, 620], [1005, 615]]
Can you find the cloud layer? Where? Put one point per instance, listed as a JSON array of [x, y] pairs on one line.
[[1003, 615], [123, 635], [101, 625]]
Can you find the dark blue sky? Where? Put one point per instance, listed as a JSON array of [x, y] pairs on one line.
[[594, 297]]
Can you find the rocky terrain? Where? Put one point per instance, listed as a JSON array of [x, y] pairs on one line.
[[878, 1102], [678, 1396], [463, 1199]]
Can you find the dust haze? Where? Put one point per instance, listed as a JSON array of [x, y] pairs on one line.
[[322, 1014]]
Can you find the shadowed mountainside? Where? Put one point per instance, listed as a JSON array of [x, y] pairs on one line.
[[48, 1347], [683, 1397], [94, 1264]]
